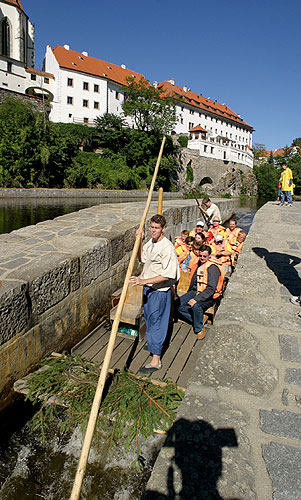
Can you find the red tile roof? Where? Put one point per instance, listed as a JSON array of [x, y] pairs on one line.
[[205, 104], [38, 72], [198, 128], [70, 59], [17, 3]]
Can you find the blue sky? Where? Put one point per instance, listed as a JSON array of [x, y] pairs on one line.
[[244, 54]]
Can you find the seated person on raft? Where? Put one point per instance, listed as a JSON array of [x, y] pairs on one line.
[[198, 229], [216, 228], [237, 246], [183, 255], [222, 251], [232, 231], [205, 288]]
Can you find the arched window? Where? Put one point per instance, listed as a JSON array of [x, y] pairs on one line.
[[5, 37], [206, 180]]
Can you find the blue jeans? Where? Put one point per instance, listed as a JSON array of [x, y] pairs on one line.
[[156, 306], [288, 196], [194, 315]]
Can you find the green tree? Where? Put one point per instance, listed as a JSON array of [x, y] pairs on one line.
[[113, 132], [258, 150], [267, 179], [150, 109]]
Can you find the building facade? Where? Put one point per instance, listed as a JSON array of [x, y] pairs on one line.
[[17, 54]]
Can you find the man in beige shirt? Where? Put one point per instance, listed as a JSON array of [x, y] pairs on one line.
[[160, 272]]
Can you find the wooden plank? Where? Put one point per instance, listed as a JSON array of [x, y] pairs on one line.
[[175, 345], [118, 353], [99, 355], [180, 361], [188, 369], [88, 341], [139, 359]]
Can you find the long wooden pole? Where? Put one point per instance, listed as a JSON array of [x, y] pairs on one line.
[[198, 204], [160, 201], [82, 464]]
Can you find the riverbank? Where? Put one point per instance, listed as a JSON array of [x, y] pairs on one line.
[[100, 194], [237, 434]]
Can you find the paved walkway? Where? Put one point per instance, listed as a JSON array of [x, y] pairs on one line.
[[238, 431]]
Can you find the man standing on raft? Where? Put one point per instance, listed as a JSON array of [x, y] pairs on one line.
[[160, 273]]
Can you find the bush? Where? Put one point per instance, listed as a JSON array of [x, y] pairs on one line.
[[183, 141]]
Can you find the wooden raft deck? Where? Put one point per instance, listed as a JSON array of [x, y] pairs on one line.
[[178, 358]]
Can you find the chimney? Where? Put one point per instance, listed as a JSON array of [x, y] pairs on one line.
[[185, 88], [123, 66], [85, 53], [67, 47], [172, 81]]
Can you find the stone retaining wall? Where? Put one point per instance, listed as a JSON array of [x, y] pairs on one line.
[[82, 194], [58, 277]]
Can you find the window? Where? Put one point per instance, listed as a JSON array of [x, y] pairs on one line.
[[85, 86], [181, 120], [70, 115], [117, 95], [85, 103], [46, 79], [191, 111], [212, 149], [86, 120], [216, 130], [9, 67], [33, 77], [182, 108], [205, 149], [69, 82], [69, 100], [96, 88], [96, 105], [190, 125], [5, 38]]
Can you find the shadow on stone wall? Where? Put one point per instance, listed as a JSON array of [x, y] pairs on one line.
[[198, 456], [283, 266]]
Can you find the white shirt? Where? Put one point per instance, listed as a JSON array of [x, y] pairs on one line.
[[214, 210], [160, 259]]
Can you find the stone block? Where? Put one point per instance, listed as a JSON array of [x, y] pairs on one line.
[[14, 310], [117, 248], [95, 262], [293, 376], [231, 358], [281, 423], [50, 288], [284, 467], [289, 348]]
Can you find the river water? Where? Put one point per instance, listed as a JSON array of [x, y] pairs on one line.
[[32, 470]]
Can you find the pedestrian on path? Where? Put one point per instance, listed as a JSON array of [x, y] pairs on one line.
[[286, 183]]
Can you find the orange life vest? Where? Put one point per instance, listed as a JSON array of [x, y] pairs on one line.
[[223, 259], [232, 235], [202, 279], [218, 230], [178, 242], [236, 247], [193, 264]]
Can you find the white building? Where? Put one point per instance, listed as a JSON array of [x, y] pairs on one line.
[[214, 129], [17, 54], [85, 87]]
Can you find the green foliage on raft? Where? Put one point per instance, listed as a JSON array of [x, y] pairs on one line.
[[131, 408]]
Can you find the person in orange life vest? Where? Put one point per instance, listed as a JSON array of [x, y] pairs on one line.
[[216, 228], [222, 251], [232, 231], [194, 261], [198, 229], [204, 289], [237, 246], [182, 255], [181, 240]]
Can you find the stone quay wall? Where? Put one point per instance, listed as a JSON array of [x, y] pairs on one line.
[[102, 195], [238, 430], [58, 277]]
